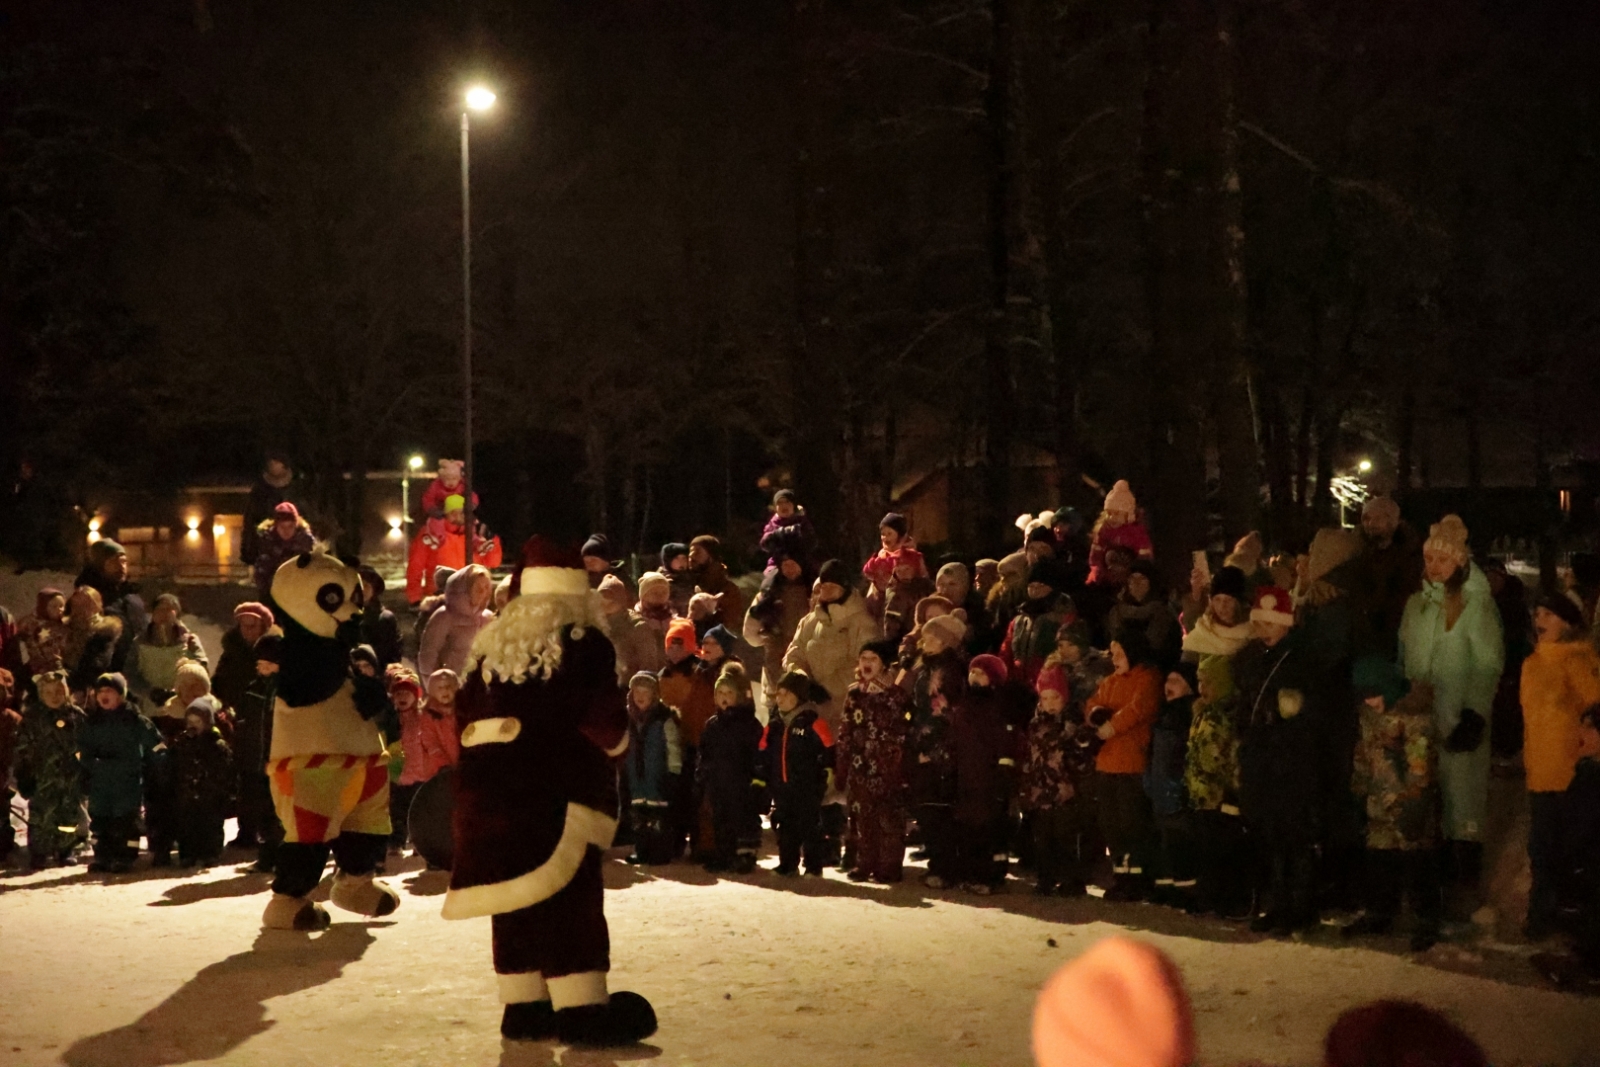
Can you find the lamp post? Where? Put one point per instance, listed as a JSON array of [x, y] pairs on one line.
[[478, 98], [413, 465]]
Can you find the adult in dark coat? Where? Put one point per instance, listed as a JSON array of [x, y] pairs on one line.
[[379, 626], [276, 485], [543, 723], [1389, 571], [236, 667], [106, 572]]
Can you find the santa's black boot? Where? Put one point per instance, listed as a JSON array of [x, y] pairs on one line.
[[625, 1019], [533, 1020]]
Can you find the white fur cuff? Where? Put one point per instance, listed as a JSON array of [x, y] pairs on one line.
[[522, 988], [554, 581], [490, 732], [577, 990]]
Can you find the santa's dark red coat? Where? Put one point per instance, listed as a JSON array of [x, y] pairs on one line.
[[528, 808]]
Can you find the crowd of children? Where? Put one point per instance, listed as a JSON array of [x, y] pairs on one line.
[[1280, 739]]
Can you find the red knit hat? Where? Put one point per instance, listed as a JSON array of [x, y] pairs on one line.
[[551, 569], [285, 510], [993, 667], [1053, 677], [400, 676], [1121, 1004], [259, 610], [683, 630], [1272, 605]]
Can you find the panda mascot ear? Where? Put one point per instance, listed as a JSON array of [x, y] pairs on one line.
[[303, 560]]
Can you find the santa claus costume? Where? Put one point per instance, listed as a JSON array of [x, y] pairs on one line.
[[542, 726]]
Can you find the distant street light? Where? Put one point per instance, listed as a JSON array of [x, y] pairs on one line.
[[1364, 466], [415, 463], [412, 465], [479, 98]]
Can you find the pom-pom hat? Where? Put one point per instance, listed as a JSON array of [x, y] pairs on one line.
[[1272, 605], [550, 569]]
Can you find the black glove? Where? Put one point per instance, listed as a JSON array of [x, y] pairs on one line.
[[370, 698], [1468, 734]]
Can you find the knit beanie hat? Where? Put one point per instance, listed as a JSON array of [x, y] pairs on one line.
[[1231, 581], [957, 571], [259, 610], [1190, 674], [712, 545], [444, 674], [644, 680], [1383, 507], [104, 551], [649, 580], [1562, 608], [206, 707], [1121, 1004], [599, 546], [269, 647], [991, 666], [683, 630], [1077, 633], [1121, 501], [1051, 572], [365, 654], [722, 636], [932, 606], [1448, 537], [196, 672], [399, 676], [836, 572], [1135, 645], [1013, 567], [112, 681], [781, 496], [802, 686], [612, 589], [671, 551], [370, 575], [1053, 679], [948, 628], [1331, 547], [894, 521], [1398, 1032], [287, 511], [886, 651], [1379, 676], [168, 600], [1216, 672], [1272, 605], [733, 677], [1042, 534]]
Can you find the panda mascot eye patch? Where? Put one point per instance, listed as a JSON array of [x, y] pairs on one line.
[[330, 597]]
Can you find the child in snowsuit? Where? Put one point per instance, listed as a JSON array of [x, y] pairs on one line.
[[1059, 759], [119, 749], [788, 533], [983, 747], [936, 680], [870, 765], [429, 738], [1211, 780], [202, 775], [729, 745], [48, 773], [252, 737], [687, 688], [1118, 527], [796, 763], [1122, 711], [405, 696], [1175, 881], [1397, 773], [1582, 832], [655, 764]]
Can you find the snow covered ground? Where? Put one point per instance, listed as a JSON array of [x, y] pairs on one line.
[[146, 970]]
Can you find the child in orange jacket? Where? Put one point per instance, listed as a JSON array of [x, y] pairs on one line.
[[1123, 711]]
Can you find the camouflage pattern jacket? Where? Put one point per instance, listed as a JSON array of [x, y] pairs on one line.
[[1397, 770]]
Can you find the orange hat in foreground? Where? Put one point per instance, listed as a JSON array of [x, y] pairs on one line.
[[1121, 1004]]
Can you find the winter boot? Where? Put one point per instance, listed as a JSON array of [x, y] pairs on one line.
[[294, 913], [625, 1019], [533, 1020], [360, 894]]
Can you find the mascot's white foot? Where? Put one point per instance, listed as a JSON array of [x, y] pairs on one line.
[[360, 894], [294, 913]]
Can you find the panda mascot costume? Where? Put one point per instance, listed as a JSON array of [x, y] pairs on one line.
[[327, 767], [543, 723]]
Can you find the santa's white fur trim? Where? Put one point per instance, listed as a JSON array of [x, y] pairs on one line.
[[554, 581], [578, 990], [490, 732], [584, 827], [522, 988], [525, 639]]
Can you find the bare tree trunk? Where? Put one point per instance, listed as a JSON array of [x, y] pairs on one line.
[[999, 388], [1406, 434]]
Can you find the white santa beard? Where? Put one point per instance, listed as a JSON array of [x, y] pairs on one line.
[[525, 638]]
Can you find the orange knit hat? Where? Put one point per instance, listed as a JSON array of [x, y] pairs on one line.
[[683, 630], [1121, 1004]]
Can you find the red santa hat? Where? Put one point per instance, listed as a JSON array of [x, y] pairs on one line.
[[551, 569], [1272, 605]]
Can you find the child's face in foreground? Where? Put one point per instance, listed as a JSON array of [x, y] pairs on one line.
[[1177, 686], [931, 643], [1052, 701], [642, 696], [54, 694], [868, 666], [194, 725], [404, 698], [442, 692], [978, 679], [108, 698], [367, 668], [676, 653], [786, 700], [726, 697]]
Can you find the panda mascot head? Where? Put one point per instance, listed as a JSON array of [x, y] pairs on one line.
[[318, 598]]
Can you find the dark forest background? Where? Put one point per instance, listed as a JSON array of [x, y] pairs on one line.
[[1221, 249]]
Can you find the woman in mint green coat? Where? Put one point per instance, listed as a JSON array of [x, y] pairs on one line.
[[1450, 637]]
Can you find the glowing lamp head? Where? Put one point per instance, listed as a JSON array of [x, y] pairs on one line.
[[395, 522], [193, 522], [94, 524], [415, 463], [1364, 466], [480, 98]]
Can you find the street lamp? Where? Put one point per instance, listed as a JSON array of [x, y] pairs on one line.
[[478, 98], [413, 465], [1364, 466]]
